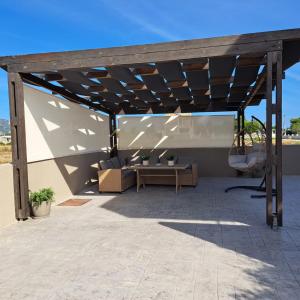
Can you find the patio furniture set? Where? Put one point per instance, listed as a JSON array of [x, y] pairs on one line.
[[117, 176]]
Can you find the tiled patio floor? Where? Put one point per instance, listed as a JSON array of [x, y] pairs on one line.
[[199, 244]]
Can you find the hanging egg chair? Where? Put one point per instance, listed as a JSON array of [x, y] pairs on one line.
[[250, 158]]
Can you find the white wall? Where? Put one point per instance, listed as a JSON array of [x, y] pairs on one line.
[[59, 128], [175, 131]]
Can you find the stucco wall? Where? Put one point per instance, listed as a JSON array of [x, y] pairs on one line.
[[213, 161], [7, 207], [69, 175], [291, 160], [66, 175]]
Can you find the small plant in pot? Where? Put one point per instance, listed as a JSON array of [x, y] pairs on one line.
[[145, 160], [41, 202], [171, 160]]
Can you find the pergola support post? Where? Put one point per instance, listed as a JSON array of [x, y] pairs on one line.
[[239, 129], [19, 153], [243, 129], [113, 135], [278, 145], [269, 150], [274, 162]]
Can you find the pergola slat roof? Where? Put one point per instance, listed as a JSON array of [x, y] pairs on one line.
[[216, 74]]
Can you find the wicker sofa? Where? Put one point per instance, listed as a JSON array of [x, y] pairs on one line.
[[113, 177]]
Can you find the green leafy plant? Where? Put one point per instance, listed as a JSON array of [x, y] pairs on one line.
[[145, 157], [171, 157], [295, 125], [43, 195]]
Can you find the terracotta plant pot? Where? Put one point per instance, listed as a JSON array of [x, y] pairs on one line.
[[41, 211], [171, 163], [145, 162]]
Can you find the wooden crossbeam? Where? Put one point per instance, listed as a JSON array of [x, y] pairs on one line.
[[29, 78], [221, 80], [259, 82], [137, 54]]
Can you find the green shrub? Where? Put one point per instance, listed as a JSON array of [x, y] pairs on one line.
[[43, 195]]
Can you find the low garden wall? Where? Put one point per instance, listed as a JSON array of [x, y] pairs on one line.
[[69, 175], [213, 162], [7, 207]]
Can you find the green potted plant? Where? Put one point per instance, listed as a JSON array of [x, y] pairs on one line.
[[171, 160], [41, 202], [145, 159]]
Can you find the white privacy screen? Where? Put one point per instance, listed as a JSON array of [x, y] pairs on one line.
[[57, 127], [175, 131]]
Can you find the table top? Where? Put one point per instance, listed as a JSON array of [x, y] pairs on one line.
[[159, 167]]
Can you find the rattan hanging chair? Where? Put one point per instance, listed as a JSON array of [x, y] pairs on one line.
[[251, 158]]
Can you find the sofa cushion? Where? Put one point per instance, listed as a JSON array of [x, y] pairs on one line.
[[110, 164], [115, 162], [103, 164], [106, 164], [127, 173]]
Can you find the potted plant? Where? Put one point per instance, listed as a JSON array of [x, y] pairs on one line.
[[145, 159], [41, 202], [171, 160]]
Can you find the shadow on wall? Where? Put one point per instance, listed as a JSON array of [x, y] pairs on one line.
[[66, 175], [80, 171]]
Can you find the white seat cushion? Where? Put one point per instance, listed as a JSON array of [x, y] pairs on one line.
[[233, 159], [239, 166]]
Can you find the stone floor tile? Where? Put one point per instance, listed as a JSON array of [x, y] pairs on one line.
[[199, 244]]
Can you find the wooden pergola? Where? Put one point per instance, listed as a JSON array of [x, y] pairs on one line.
[[202, 75]]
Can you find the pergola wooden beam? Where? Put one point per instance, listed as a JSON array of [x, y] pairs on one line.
[[61, 91], [187, 45], [138, 54], [259, 82]]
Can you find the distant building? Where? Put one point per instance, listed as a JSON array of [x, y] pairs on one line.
[[5, 139]]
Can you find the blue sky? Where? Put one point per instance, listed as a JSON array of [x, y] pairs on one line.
[[33, 26]]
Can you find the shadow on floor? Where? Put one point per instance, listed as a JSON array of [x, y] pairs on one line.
[[227, 223]]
